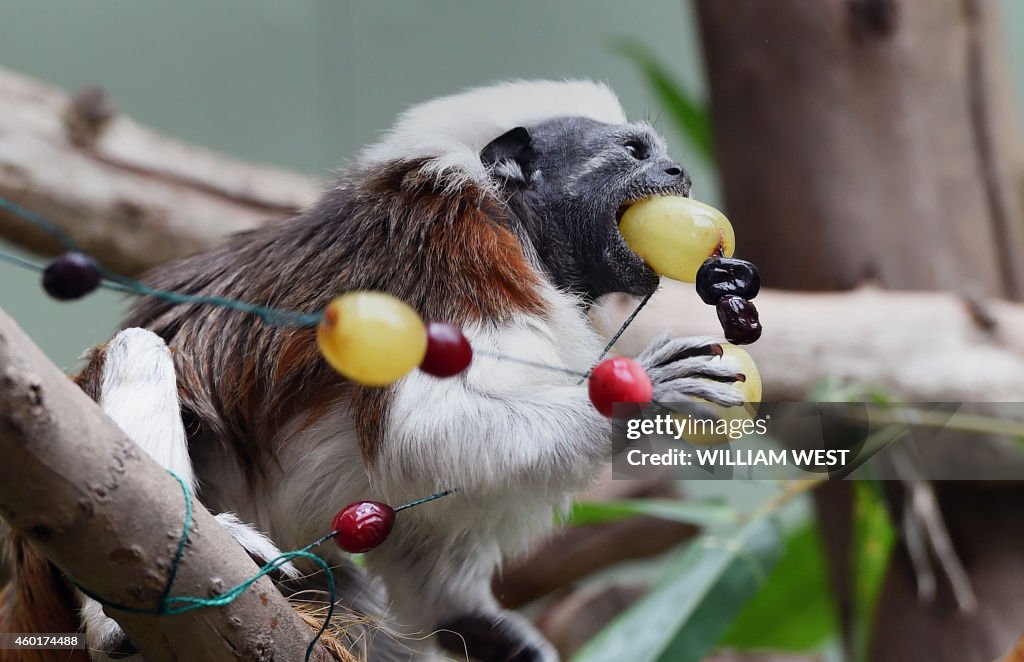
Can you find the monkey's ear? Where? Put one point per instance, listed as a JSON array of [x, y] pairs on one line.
[[510, 156]]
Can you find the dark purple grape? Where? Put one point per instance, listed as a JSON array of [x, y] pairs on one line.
[[739, 320], [71, 276], [724, 276]]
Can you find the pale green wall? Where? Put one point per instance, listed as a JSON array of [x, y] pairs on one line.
[[304, 83]]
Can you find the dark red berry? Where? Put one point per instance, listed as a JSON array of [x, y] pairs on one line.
[[363, 525], [739, 320], [71, 276], [724, 276], [448, 351], [619, 380]]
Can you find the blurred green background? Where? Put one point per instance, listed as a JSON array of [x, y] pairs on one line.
[[303, 84]]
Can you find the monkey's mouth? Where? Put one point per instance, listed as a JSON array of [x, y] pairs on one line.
[[625, 270], [618, 235], [631, 273], [614, 267]]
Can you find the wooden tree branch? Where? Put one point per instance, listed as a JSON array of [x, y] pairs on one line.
[[136, 199], [127, 195], [110, 517], [922, 346]]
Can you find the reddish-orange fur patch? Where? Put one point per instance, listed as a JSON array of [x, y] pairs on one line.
[[38, 600]]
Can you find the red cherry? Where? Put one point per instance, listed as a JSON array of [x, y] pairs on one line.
[[448, 351], [363, 525], [619, 380]]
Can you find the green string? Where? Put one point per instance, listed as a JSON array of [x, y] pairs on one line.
[[49, 228], [270, 316], [417, 502], [119, 283], [173, 605], [618, 334]]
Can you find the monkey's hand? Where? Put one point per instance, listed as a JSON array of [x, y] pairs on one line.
[[682, 369]]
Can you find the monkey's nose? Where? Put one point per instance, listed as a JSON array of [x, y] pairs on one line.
[[674, 170]]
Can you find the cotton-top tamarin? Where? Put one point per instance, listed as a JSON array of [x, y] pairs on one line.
[[495, 210]]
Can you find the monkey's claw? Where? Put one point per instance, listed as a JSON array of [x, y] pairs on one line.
[[685, 368]]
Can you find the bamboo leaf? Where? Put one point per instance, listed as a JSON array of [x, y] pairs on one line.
[[800, 582], [873, 538], [702, 590], [697, 512]]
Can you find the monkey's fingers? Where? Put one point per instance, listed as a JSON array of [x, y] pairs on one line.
[[686, 388], [712, 368], [668, 349]]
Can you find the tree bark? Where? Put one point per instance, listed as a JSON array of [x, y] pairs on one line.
[[874, 140], [921, 346], [135, 199], [867, 140], [127, 195], [110, 517]]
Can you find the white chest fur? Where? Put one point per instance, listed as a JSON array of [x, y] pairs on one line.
[[516, 440]]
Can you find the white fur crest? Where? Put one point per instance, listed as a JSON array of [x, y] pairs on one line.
[[452, 130]]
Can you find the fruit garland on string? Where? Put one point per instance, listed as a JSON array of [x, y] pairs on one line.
[[375, 339]]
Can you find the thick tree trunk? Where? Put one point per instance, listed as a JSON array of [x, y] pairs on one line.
[[867, 139], [874, 140]]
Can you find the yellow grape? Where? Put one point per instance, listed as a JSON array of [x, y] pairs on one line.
[[674, 235], [728, 414], [371, 338], [751, 390]]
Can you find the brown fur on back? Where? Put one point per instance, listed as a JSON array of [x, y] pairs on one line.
[[448, 253]]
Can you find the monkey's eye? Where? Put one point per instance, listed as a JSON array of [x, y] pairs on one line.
[[636, 149]]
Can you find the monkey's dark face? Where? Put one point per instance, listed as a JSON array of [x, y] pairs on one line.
[[568, 181]]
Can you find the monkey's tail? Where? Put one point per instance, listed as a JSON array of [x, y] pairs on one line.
[[36, 599]]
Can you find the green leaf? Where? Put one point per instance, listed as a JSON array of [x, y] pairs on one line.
[[701, 592], [794, 610], [697, 512], [688, 114], [873, 540]]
